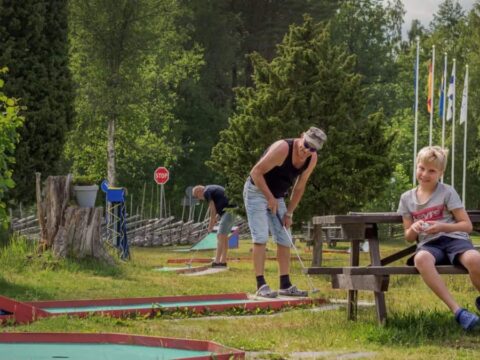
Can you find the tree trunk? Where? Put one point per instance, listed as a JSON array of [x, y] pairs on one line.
[[80, 237], [69, 230], [57, 196], [40, 209]]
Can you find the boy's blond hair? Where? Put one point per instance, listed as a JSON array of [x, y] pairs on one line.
[[435, 155]]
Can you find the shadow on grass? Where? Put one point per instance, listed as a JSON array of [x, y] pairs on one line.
[[422, 328], [93, 266], [22, 256], [22, 292]]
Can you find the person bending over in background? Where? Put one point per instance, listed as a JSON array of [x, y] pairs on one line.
[[217, 203]]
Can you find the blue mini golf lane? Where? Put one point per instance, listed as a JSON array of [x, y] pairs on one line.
[[72, 351], [182, 304]]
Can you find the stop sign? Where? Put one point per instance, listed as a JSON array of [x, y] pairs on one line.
[[161, 175]]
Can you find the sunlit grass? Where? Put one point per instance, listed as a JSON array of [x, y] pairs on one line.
[[419, 325]]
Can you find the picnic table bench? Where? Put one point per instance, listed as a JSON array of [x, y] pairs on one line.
[[358, 227]]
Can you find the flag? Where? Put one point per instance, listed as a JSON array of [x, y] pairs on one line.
[[430, 89], [464, 108], [451, 94], [441, 95]]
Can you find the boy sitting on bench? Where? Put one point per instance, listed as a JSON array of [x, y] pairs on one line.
[[434, 216]]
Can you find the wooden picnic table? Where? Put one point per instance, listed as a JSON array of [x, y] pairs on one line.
[[358, 227]]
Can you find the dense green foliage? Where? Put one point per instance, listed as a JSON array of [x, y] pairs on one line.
[[155, 85], [33, 35], [128, 59], [372, 31], [227, 31], [10, 121], [311, 81]]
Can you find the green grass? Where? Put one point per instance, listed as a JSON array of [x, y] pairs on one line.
[[419, 325]]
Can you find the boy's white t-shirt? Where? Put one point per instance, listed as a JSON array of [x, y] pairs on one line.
[[437, 208]]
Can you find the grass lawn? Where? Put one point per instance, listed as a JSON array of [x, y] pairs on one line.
[[419, 325]]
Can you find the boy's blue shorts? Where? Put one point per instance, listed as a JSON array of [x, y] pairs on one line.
[[445, 250]]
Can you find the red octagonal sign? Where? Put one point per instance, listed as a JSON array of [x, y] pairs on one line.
[[161, 175]]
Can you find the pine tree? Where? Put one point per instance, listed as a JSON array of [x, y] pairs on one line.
[[33, 34], [228, 31], [310, 82]]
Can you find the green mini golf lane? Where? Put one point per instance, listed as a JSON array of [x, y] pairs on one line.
[[181, 304], [71, 351], [109, 346], [26, 312]]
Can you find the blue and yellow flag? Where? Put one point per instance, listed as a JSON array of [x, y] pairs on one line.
[[441, 96]]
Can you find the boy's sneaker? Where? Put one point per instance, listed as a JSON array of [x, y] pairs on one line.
[[477, 303], [466, 319], [293, 291], [266, 292]]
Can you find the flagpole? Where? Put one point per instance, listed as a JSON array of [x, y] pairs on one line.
[[444, 113], [453, 126], [432, 96], [414, 179], [464, 117]]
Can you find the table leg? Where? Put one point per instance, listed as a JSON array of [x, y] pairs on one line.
[[376, 260], [353, 294], [317, 246]]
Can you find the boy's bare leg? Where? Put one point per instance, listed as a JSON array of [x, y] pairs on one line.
[[425, 264], [471, 260]]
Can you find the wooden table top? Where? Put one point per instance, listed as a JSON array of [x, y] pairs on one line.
[[374, 218]]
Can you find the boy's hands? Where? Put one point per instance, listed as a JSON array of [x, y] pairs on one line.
[[418, 226], [427, 227], [433, 227]]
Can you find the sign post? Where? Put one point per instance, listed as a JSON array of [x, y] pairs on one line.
[[161, 176]]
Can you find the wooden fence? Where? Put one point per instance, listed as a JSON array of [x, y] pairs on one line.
[[140, 232]]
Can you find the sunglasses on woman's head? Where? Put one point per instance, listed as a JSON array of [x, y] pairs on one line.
[[309, 147]]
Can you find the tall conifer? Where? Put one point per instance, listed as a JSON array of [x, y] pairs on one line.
[[311, 82], [33, 34]]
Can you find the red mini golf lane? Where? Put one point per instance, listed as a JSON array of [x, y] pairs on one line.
[[25, 312], [77, 346]]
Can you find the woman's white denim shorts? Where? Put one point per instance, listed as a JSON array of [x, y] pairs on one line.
[[260, 219]]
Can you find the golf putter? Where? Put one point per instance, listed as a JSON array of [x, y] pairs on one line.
[[313, 289]]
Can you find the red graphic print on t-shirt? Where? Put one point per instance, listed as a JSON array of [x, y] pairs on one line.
[[433, 213]]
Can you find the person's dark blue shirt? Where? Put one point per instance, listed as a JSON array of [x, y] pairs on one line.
[[216, 193]]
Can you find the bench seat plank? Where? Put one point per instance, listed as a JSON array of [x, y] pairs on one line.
[[381, 270]]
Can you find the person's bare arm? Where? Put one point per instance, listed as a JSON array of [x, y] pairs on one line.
[[462, 223], [411, 229], [298, 190], [275, 156], [213, 216]]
